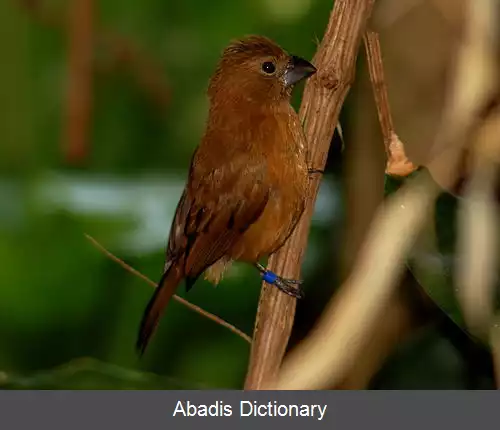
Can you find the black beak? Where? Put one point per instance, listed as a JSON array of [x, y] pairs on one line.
[[297, 70]]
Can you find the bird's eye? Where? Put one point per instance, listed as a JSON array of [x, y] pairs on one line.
[[268, 67]]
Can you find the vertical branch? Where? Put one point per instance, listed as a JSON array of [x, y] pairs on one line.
[[79, 96], [323, 97], [364, 171], [376, 70], [397, 161]]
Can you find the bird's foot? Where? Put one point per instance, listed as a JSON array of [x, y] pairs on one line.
[[314, 171], [288, 286]]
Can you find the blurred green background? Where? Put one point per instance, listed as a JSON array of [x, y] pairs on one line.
[[68, 314]]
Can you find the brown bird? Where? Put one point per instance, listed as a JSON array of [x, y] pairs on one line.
[[248, 179]]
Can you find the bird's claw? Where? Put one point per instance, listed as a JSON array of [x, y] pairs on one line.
[[288, 286]]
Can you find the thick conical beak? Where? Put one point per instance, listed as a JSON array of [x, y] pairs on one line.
[[297, 70]]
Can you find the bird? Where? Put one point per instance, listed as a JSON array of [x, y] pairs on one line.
[[248, 178]]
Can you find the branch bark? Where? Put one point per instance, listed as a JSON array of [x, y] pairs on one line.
[[405, 311], [397, 161], [323, 98]]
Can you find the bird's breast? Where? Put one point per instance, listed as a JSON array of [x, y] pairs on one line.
[[288, 182]]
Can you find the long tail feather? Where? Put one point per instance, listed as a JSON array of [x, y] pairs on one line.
[[161, 297]]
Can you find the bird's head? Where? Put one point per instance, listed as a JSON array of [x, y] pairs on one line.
[[257, 69]]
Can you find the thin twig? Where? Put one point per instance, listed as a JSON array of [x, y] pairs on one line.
[[399, 318], [398, 163], [182, 301], [323, 98]]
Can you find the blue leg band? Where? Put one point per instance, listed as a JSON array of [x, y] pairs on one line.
[[269, 277]]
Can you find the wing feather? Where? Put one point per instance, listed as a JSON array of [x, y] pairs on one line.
[[214, 211]]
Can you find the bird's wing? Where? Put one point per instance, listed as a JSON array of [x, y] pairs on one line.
[[215, 209]]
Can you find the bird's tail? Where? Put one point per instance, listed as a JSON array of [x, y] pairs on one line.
[[161, 297]]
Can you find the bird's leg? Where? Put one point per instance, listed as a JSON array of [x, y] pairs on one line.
[[288, 286], [314, 171]]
